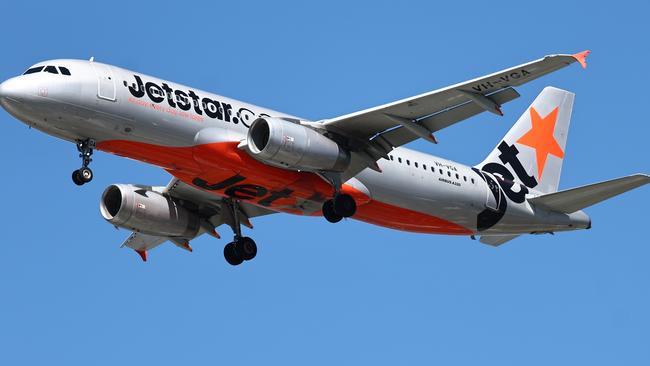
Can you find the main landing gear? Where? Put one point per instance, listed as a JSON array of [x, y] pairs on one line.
[[342, 205], [242, 248], [84, 175]]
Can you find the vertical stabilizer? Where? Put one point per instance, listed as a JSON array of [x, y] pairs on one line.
[[533, 150]]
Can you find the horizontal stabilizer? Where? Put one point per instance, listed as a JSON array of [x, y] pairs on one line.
[[572, 200], [496, 240]]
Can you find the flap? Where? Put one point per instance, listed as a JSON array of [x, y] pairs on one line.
[[496, 240], [401, 136], [143, 242]]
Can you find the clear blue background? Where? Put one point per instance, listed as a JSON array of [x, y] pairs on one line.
[[318, 293]]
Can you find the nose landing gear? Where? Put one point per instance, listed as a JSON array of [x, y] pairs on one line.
[[84, 175]]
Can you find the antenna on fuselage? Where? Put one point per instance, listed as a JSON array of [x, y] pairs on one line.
[[92, 58]]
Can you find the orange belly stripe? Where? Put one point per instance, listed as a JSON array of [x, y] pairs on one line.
[[222, 162]]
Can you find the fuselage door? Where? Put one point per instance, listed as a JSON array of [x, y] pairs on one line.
[[105, 82], [493, 192]]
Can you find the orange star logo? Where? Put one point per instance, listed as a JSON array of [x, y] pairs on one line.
[[540, 137]]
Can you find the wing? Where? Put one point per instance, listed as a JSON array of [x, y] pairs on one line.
[[373, 132], [213, 210], [210, 205]]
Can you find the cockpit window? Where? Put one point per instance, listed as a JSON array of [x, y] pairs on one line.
[[34, 70], [51, 69]]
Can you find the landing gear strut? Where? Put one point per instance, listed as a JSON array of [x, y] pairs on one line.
[[84, 175], [242, 248]]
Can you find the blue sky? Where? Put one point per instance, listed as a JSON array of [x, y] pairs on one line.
[[318, 293]]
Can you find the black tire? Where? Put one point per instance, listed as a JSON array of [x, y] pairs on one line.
[[246, 248], [85, 174], [231, 255], [328, 212], [344, 205], [76, 178]]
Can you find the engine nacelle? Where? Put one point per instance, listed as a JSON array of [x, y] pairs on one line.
[[292, 146], [143, 210]]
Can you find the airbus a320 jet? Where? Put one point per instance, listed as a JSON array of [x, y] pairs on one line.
[[232, 161]]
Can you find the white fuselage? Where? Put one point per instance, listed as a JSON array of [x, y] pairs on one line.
[[156, 121]]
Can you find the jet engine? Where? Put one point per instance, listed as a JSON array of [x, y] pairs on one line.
[[147, 211], [289, 145]]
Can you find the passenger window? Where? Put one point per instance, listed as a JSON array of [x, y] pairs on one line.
[[64, 70], [465, 178], [50, 69], [440, 171], [408, 162], [391, 157], [34, 70], [448, 173], [416, 164], [433, 170], [472, 180], [399, 160], [424, 167], [457, 177]]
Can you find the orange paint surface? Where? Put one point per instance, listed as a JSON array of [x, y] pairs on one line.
[[169, 158], [398, 218], [142, 254], [581, 57], [540, 137], [218, 162]]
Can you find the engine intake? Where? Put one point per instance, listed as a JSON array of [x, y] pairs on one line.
[[146, 211], [292, 146]]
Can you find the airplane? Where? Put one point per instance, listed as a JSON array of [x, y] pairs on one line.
[[232, 161]]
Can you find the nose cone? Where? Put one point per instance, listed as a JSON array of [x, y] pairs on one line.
[[15, 92], [9, 90], [3, 94], [16, 96], [2, 90]]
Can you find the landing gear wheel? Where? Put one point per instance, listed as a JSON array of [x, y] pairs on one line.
[[344, 205], [246, 248], [76, 178], [329, 213], [85, 174], [231, 255]]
